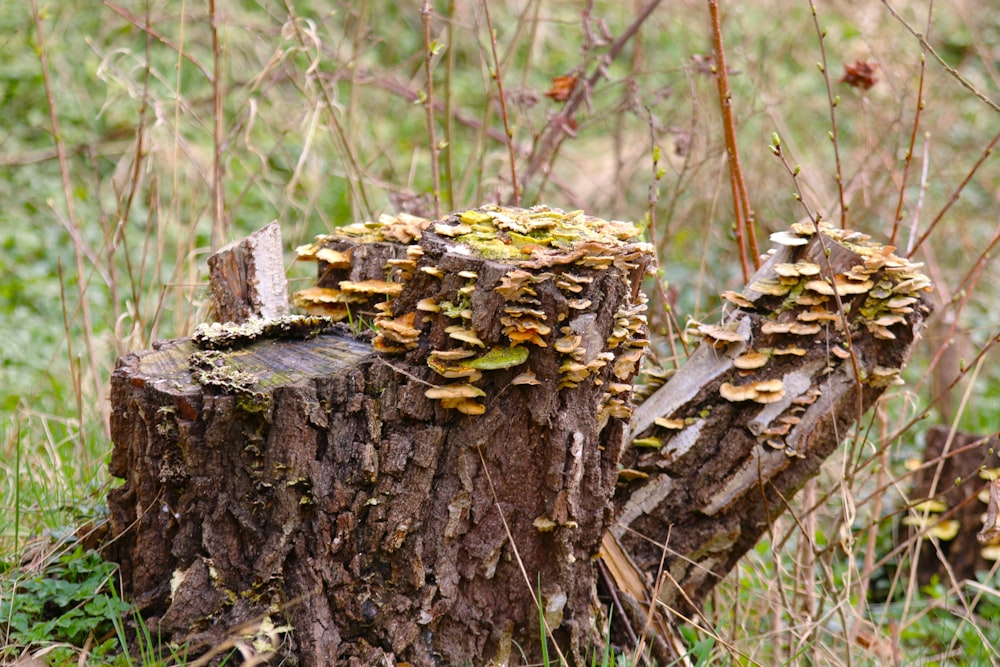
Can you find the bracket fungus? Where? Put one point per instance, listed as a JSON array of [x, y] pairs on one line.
[[821, 289], [479, 292]]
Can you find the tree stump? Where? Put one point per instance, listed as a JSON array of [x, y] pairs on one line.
[[426, 502]]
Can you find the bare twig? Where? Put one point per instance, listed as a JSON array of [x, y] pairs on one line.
[[653, 198], [71, 221], [558, 125], [218, 192], [160, 37], [429, 53], [955, 195], [948, 68], [924, 169], [403, 90], [449, 118], [898, 217], [745, 234], [498, 77], [355, 174], [833, 101]]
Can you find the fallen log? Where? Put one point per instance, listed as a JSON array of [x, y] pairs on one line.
[[430, 480], [800, 355]]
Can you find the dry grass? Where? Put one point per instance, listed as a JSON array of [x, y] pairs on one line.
[[182, 126]]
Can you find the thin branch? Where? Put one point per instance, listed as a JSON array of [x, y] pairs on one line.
[[832, 101], [449, 120], [925, 167], [498, 77], [898, 217], [354, 173], [429, 47], [558, 125], [948, 68], [218, 194], [745, 235], [410, 95], [955, 195], [72, 222], [151, 31]]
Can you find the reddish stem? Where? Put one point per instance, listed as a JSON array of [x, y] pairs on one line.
[[745, 236]]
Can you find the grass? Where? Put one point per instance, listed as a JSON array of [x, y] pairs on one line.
[[322, 114]]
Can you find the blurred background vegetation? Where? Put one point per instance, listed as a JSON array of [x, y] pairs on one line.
[[136, 137]]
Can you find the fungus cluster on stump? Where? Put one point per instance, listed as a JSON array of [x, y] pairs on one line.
[[543, 299]]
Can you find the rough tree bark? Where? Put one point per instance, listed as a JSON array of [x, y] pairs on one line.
[[403, 506], [411, 503]]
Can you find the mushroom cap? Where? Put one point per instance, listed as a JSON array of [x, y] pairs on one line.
[[567, 344], [750, 360], [629, 474], [401, 328], [737, 299], [770, 288], [790, 350], [460, 390], [772, 385], [312, 295], [766, 397], [788, 238], [464, 334], [453, 354], [500, 357], [526, 378], [840, 352], [775, 327], [428, 305], [725, 333], [805, 328], [334, 258], [736, 393], [371, 287], [466, 406]]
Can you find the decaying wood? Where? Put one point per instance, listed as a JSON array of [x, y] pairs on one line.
[[950, 495], [822, 329], [247, 278], [409, 486], [405, 505]]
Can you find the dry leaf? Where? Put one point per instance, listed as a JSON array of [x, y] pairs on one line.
[[860, 75], [562, 88]]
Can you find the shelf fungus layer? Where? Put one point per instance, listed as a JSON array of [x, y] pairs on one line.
[[492, 295], [817, 335]]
